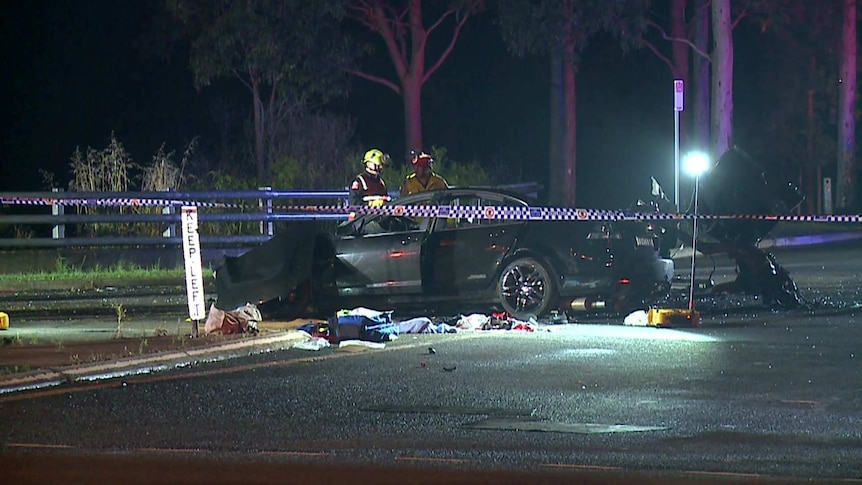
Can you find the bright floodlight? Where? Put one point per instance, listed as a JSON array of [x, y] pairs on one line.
[[696, 163]]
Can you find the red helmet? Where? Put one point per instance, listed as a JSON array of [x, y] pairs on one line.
[[423, 159]]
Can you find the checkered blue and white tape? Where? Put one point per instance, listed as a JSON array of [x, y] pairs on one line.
[[109, 202], [478, 212]]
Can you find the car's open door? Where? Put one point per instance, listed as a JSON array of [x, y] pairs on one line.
[[380, 256]]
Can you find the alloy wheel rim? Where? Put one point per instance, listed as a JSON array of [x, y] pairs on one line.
[[524, 287]]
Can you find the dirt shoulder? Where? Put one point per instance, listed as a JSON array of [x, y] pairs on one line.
[[51, 344]]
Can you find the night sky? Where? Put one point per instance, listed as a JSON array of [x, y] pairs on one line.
[[76, 71]]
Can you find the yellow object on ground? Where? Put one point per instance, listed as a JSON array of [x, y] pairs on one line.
[[673, 317], [4, 321]]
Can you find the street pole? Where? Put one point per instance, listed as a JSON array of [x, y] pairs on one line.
[[693, 245], [676, 160], [678, 97]]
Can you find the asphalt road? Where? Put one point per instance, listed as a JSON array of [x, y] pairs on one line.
[[751, 395]]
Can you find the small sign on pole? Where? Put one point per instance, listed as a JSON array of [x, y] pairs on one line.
[[678, 94], [194, 269]]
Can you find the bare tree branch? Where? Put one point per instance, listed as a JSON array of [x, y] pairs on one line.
[[674, 39], [742, 15], [649, 45], [440, 20], [363, 13], [399, 57], [449, 47], [241, 79], [380, 80], [395, 18]]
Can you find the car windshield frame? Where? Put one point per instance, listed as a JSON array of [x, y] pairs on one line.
[[355, 227]]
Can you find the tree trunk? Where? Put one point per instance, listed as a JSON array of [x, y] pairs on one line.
[[701, 78], [680, 57], [413, 79], [413, 113], [846, 191], [259, 133], [722, 77], [569, 86], [558, 122], [810, 186]]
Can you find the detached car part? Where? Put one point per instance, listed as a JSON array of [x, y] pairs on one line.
[[737, 184]]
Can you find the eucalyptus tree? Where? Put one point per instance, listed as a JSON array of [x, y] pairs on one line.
[[560, 29], [286, 54], [685, 29], [405, 27], [722, 77]]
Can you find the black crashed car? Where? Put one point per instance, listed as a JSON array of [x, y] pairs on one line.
[[524, 267]]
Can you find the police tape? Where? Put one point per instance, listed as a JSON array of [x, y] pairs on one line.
[[114, 202], [457, 211]]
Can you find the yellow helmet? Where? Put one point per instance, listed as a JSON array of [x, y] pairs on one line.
[[374, 156], [374, 161]]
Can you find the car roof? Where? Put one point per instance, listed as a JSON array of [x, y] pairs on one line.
[[487, 192]]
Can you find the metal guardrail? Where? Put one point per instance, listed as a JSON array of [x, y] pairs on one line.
[[263, 202]]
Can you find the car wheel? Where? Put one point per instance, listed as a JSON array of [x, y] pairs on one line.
[[526, 288]]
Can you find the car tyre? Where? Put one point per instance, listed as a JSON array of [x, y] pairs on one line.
[[526, 288]]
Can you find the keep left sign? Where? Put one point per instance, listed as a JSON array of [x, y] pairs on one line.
[[194, 269]]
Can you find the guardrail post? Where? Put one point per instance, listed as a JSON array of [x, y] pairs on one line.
[[59, 230], [266, 206], [171, 231], [169, 210]]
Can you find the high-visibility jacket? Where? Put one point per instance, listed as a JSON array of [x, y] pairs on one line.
[[365, 185], [413, 185]]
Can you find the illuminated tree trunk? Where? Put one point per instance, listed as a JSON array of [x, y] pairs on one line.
[[845, 193], [414, 77], [413, 109], [680, 56], [701, 81], [722, 77]]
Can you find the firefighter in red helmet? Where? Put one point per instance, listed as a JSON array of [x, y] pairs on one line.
[[368, 188], [423, 177]]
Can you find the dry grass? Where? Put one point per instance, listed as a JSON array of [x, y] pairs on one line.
[[113, 169]]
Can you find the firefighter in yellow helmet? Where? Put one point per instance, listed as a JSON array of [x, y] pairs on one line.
[[423, 177], [368, 187]]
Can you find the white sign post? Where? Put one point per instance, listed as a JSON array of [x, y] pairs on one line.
[[678, 92], [194, 270]]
